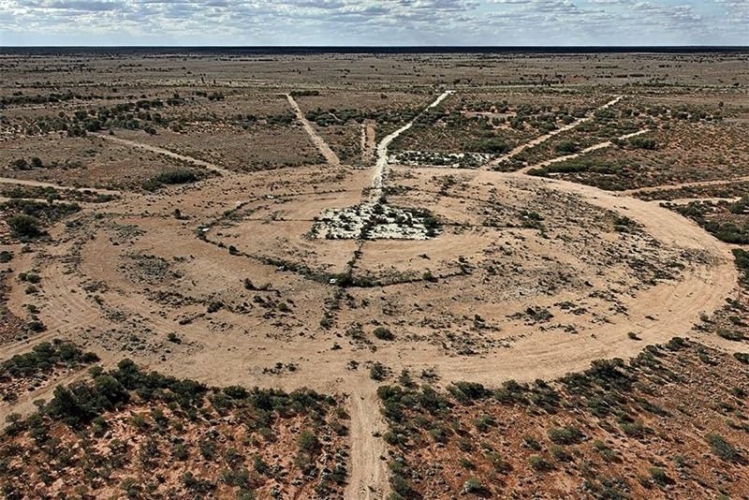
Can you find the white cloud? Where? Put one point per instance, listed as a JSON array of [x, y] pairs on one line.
[[374, 22]]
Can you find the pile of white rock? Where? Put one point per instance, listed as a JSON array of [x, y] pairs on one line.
[[374, 221]]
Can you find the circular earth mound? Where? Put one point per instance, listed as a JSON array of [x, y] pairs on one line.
[[514, 271]]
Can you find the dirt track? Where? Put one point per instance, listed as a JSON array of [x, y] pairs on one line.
[[368, 479], [667, 187], [589, 149], [541, 139], [368, 144], [380, 171], [23, 182], [165, 152], [318, 141]]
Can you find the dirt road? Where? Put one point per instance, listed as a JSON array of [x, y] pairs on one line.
[[24, 405], [657, 314], [24, 182], [165, 152], [589, 149], [369, 477], [318, 141], [382, 150], [368, 144], [671, 187], [540, 140], [687, 201]]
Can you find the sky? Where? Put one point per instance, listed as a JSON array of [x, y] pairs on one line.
[[373, 22]]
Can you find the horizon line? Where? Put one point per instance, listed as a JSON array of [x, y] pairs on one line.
[[386, 47], [280, 50]]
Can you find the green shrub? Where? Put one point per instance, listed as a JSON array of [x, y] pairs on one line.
[[492, 146], [676, 344], [326, 321], [30, 277], [214, 306], [722, 448], [307, 442], [565, 435], [634, 429], [304, 93], [466, 392], [483, 422], [500, 465], [742, 357], [539, 464], [473, 486], [643, 143], [741, 258], [43, 357], [20, 164], [179, 176], [659, 476], [378, 371], [170, 177], [531, 443], [36, 326], [606, 452], [734, 335], [405, 379], [511, 392], [25, 226], [560, 454], [401, 486], [567, 147], [383, 333]]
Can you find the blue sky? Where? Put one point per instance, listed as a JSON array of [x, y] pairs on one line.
[[374, 22]]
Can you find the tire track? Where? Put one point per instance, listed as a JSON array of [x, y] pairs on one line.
[[674, 187], [165, 152], [25, 182], [540, 140], [378, 178], [317, 140], [368, 143], [675, 305], [369, 476], [590, 149]]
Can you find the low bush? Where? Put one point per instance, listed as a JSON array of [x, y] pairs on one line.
[[43, 358], [742, 357], [25, 226], [722, 448], [734, 335], [539, 464], [378, 371], [565, 435], [383, 333], [172, 177]]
